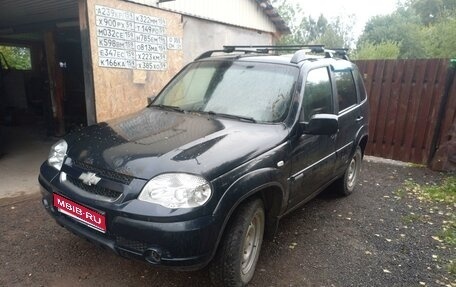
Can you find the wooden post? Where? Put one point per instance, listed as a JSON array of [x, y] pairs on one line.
[[55, 82], [87, 63]]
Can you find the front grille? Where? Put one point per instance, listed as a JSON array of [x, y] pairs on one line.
[[112, 175], [131, 244], [94, 189]]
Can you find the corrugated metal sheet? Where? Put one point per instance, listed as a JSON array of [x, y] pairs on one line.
[[24, 12], [253, 14], [245, 13]]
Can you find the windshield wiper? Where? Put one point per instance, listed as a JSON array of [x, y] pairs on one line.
[[166, 107], [241, 118]]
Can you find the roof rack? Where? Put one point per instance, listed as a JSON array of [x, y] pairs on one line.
[[230, 49], [315, 48], [300, 54], [339, 52]]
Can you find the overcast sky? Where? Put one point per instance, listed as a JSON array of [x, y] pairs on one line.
[[363, 9]]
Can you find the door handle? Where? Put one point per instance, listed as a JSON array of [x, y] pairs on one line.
[[360, 118]]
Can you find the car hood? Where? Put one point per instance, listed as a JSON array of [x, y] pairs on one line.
[[153, 141]]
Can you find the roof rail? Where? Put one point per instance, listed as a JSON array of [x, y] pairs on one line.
[[339, 52], [300, 54], [277, 47], [230, 49]]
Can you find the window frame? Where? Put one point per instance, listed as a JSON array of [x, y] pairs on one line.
[[18, 45], [331, 84], [359, 82], [336, 95]]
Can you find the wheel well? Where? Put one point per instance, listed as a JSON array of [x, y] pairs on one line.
[[363, 143], [272, 197]]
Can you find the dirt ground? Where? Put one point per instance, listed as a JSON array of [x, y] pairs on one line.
[[367, 239]]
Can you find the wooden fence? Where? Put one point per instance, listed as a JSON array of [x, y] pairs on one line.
[[412, 107]]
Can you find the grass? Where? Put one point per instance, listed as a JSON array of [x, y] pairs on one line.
[[416, 165], [444, 193], [452, 267], [448, 234], [410, 218]]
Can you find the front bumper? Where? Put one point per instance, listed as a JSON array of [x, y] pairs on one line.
[[183, 245]]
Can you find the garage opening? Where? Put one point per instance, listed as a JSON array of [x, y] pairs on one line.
[[42, 91], [42, 83]]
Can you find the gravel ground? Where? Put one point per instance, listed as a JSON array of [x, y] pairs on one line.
[[375, 237]]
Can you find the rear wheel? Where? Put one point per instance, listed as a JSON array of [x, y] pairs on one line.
[[347, 183], [237, 256]]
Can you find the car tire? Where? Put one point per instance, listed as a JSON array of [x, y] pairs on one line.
[[347, 183], [237, 255]]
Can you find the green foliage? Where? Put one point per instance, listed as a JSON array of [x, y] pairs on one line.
[[16, 57], [307, 30], [421, 29], [416, 29], [384, 50], [441, 39], [452, 267], [444, 193], [433, 11], [401, 27]]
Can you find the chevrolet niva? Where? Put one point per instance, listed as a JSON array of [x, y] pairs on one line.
[[235, 141]]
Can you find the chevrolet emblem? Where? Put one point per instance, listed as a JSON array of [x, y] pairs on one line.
[[89, 178]]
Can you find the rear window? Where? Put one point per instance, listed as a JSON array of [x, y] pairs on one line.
[[346, 89]]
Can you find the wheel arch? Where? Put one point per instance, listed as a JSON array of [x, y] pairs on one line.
[[363, 143], [254, 185]]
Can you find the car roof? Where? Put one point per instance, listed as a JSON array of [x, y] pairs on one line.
[[285, 59]]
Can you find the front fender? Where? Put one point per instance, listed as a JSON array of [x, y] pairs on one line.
[[248, 185], [271, 179]]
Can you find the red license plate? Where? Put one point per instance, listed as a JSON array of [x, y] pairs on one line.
[[89, 217]]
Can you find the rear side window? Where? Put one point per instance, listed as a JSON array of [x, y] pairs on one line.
[[346, 89], [360, 85], [317, 94]]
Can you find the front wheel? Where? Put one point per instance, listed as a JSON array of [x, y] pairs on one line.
[[346, 184], [240, 247]]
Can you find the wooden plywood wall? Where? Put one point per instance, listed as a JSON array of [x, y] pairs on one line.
[[124, 76]]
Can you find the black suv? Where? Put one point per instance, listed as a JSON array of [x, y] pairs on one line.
[[235, 141]]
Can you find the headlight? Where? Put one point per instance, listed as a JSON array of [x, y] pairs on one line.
[[57, 154], [176, 190]]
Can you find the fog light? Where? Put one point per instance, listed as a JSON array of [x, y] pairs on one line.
[[45, 203], [153, 256]]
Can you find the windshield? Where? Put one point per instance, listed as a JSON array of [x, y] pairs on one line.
[[259, 91]]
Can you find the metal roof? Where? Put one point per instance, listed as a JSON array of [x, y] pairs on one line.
[[24, 13], [274, 15], [17, 13]]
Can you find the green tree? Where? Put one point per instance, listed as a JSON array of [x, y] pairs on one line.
[[420, 28], [16, 57], [338, 33], [385, 50], [441, 39], [433, 11], [307, 30], [402, 27]]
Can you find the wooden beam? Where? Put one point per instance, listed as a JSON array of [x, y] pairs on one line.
[[55, 82], [87, 63]]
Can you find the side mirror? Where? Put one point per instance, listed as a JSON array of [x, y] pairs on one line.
[[150, 99], [322, 124]]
